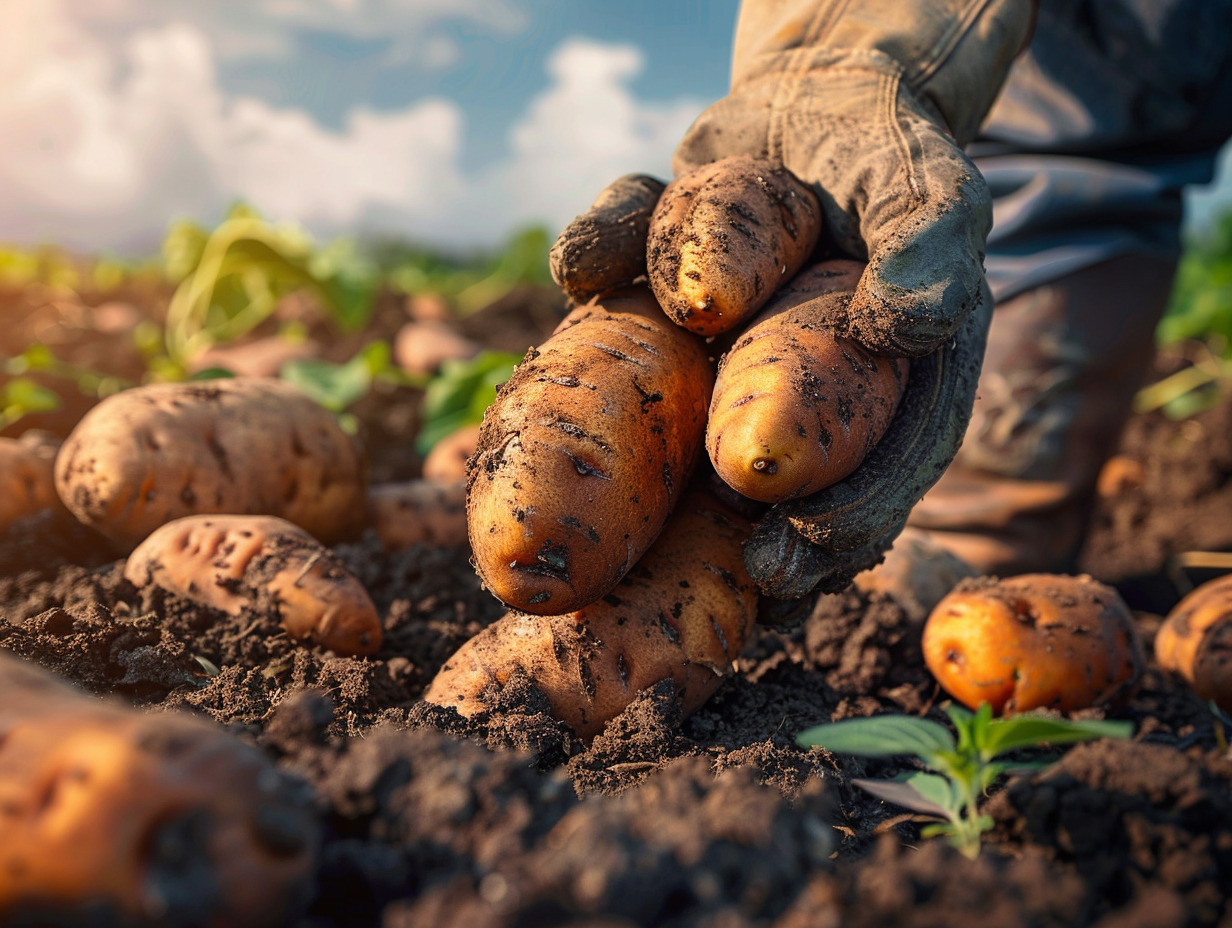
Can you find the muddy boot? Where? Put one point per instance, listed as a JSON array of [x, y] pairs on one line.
[[1062, 366]]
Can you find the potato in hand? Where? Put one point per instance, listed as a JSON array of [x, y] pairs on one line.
[[682, 613], [725, 236], [1195, 641], [585, 452], [1036, 641], [232, 563], [796, 407]]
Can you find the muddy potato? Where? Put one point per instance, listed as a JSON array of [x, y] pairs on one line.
[[797, 408], [725, 236], [27, 476], [154, 819], [585, 452], [144, 457], [593, 254], [414, 512], [1034, 641], [446, 461], [1195, 641], [682, 613], [232, 563]]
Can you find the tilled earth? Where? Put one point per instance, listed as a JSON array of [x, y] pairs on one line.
[[719, 820]]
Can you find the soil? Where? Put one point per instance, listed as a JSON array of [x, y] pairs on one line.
[[507, 819]]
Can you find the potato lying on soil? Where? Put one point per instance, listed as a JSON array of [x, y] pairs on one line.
[[446, 461], [1034, 641], [682, 613], [725, 236], [420, 348], [161, 819], [414, 512], [797, 408], [152, 454], [585, 452], [27, 476], [1195, 641], [232, 563], [603, 249]]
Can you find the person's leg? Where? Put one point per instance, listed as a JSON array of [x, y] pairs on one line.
[[1063, 363]]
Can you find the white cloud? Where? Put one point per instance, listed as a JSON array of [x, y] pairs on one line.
[[106, 142]]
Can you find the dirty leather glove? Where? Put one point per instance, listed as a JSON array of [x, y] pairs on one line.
[[870, 104]]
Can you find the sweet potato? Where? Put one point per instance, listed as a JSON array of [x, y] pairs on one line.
[[725, 236], [585, 452], [232, 563], [27, 476], [796, 408], [446, 462], [414, 512], [152, 454], [1195, 641], [149, 819], [602, 250], [683, 613], [420, 348], [1034, 641]]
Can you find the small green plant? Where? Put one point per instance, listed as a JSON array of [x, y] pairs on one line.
[[960, 769], [460, 392]]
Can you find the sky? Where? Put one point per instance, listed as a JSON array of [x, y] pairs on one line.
[[448, 122]]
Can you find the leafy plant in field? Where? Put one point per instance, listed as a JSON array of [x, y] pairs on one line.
[[1200, 310], [22, 395], [460, 392], [473, 283], [960, 769], [231, 279]]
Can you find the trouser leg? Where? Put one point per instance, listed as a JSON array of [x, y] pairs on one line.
[[1063, 363]]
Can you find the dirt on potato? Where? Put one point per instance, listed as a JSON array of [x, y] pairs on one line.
[[508, 819]]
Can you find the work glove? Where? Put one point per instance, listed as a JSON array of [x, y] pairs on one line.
[[870, 104]]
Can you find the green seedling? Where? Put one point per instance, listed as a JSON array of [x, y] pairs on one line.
[[960, 770], [460, 392]]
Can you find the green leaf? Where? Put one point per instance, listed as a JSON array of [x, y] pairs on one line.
[[334, 386], [459, 394], [1028, 731], [22, 396], [882, 736], [923, 792]]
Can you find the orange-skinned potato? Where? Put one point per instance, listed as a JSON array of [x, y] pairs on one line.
[[1195, 641], [27, 476], [415, 512], [796, 408], [146, 456], [446, 461], [232, 563], [585, 452], [682, 613], [725, 236], [1034, 641], [164, 819]]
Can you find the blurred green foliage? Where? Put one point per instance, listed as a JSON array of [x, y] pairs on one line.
[[1200, 312]]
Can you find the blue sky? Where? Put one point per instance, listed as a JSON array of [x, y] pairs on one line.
[[447, 121]]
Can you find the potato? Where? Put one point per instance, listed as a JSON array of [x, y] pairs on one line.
[[414, 512], [163, 819], [796, 408], [260, 562], [1195, 641], [683, 613], [585, 452], [725, 236], [603, 249], [446, 461], [27, 476], [146, 456], [1034, 641], [420, 348]]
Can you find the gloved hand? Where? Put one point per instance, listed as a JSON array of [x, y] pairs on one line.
[[870, 104]]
